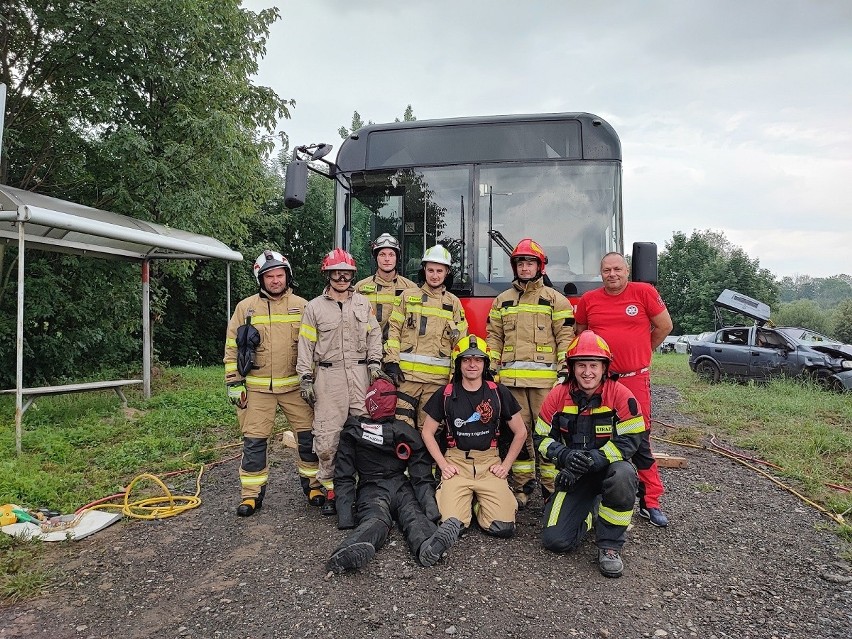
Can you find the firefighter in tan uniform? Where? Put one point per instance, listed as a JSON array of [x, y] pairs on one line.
[[340, 353], [423, 330], [260, 375], [529, 329], [384, 289]]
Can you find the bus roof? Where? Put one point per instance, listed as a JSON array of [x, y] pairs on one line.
[[591, 138]]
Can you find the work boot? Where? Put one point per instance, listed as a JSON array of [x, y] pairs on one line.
[[440, 542], [351, 557], [609, 562], [329, 508], [316, 497], [248, 506], [522, 499], [655, 516]]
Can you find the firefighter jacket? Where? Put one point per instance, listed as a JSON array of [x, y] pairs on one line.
[[381, 453], [608, 424], [424, 328], [278, 322], [384, 296], [338, 334], [529, 329]]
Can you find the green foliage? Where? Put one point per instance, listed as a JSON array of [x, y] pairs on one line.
[[358, 122], [20, 578], [78, 448], [81, 315], [840, 326], [791, 423], [803, 313], [150, 113], [694, 270], [826, 292]]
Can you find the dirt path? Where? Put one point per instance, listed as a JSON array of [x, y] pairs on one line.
[[741, 559]]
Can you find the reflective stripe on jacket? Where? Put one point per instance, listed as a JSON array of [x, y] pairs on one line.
[[422, 332], [384, 296], [529, 329], [278, 323], [332, 333]]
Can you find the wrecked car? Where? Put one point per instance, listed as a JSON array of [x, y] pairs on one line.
[[763, 351]]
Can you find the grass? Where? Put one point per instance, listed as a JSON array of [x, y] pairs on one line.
[[78, 448], [81, 447], [796, 425]]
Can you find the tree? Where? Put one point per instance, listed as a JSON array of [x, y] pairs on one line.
[[357, 122], [840, 326], [122, 105], [804, 314], [694, 270]]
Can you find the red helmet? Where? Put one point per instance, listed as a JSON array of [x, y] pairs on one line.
[[528, 248], [588, 346], [380, 400], [338, 260]]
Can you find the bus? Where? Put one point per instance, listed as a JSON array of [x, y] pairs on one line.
[[478, 185]]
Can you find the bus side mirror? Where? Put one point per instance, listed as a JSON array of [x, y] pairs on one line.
[[295, 184], [644, 262]]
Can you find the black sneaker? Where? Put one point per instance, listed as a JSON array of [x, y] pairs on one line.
[[655, 516], [440, 542], [329, 508], [351, 557], [609, 562]]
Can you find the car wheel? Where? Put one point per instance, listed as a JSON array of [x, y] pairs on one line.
[[822, 377], [708, 369]]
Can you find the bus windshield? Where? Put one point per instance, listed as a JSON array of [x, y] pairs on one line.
[[480, 211]]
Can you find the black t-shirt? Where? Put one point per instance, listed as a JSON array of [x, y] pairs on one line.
[[476, 418]]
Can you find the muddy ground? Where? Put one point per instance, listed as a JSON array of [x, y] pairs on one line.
[[742, 558]]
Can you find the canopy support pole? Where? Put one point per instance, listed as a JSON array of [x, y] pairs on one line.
[[19, 343], [146, 329]]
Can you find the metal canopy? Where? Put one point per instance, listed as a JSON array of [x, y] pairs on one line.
[[57, 225], [36, 221]]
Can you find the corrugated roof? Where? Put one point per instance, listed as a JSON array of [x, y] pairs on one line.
[[59, 225]]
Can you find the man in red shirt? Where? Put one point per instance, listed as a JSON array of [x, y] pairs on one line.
[[634, 321]]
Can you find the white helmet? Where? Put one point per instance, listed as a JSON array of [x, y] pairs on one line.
[[437, 255], [386, 240], [269, 260]]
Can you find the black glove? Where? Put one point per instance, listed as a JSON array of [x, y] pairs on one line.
[[564, 479], [578, 462], [561, 377], [394, 372]]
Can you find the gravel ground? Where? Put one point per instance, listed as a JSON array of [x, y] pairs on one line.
[[741, 558]]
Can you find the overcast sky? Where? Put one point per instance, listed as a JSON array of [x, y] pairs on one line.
[[733, 115]]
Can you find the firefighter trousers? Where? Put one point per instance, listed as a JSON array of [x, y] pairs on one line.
[[650, 483], [340, 391], [568, 515], [411, 397], [523, 470], [378, 505], [257, 420], [497, 505]]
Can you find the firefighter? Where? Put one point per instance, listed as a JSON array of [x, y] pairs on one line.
[[634, 319], [339, 354], [529, 328], [424, 328], [471, 410], [260, 375], [385, 287], [590, 426], [382, 474]]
